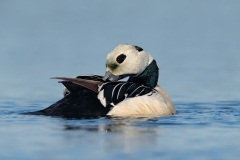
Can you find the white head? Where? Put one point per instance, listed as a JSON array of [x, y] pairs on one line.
[[126, 60]]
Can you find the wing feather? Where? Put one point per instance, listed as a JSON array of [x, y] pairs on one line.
[[89, 84]]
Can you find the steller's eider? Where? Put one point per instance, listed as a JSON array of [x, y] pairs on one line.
[[96, 96]]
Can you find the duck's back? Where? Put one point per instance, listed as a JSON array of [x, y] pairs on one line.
[[79, 102]]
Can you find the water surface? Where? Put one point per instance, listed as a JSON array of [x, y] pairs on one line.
[[198, 131]]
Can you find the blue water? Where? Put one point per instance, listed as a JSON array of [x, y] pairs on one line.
[[198, 131], [195, 43]]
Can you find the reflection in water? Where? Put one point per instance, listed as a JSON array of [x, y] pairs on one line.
[[116, 125], [124, 134], [195, 122]]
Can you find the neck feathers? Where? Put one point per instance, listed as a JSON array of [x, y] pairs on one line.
[[149, 77]]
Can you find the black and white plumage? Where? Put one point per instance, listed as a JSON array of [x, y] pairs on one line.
[[116, 92], [139, 96], [141, 69]]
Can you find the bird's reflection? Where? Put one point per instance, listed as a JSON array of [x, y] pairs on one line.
[[117, 125], [116, 134]]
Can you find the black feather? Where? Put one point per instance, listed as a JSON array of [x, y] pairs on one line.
[[138, 48], [116, 92], [79, 103]]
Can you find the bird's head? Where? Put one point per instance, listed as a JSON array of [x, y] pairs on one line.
[[126, 60]]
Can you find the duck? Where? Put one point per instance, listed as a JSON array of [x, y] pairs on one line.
[[108, 95]]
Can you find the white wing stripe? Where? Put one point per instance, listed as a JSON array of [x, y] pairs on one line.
[[114, 89], [100, 87], [134, 91], [131, 85], [120, 90], [141, 91]]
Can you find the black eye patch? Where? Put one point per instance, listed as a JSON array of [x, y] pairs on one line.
[[138, 48], [121, 58]]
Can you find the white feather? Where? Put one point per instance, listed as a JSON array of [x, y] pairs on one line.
[[102, 98], [120, 89], [115, 88]]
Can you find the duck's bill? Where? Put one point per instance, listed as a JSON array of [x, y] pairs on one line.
[[113, 78]]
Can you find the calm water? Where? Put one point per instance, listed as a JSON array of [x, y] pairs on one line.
[[196, 45], [198, 131]]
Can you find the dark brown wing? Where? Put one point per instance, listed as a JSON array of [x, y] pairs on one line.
[[93, 77], [89, 84]]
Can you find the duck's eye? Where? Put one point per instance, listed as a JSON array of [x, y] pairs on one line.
[[121, 58]]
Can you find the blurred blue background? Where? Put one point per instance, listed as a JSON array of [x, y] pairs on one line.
[[196, 44]]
